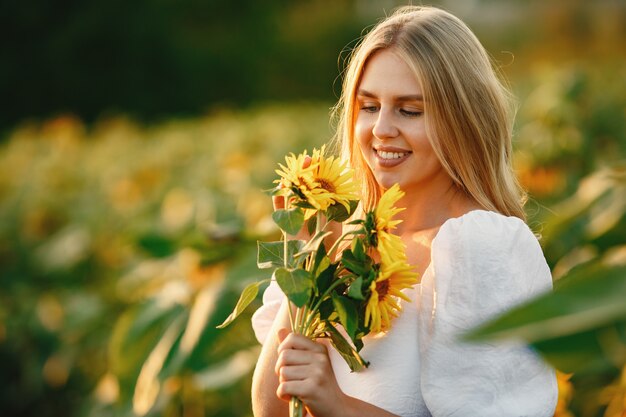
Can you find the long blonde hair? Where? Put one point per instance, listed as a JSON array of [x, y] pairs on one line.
[[469, 112]]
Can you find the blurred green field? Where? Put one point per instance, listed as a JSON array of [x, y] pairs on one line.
[[123, 245]]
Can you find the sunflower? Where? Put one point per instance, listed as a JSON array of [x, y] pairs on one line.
[[382, 223], [390, 246], [335, 182], [326, 181], [294, 176], [386, 291], [385, 210]]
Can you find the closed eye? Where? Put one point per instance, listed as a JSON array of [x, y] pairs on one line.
[[369, 108], [411, 113]]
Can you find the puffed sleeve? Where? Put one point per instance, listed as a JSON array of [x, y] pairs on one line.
[[482, 265], [263, 318]]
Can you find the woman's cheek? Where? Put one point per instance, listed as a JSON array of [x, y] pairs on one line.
[[361, 133]]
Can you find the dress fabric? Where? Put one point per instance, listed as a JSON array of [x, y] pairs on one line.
[[482, 264]]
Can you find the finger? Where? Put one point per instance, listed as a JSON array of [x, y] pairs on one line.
[[294, 373], [283, 390], [300, 342], [288, 389], [278, 202], [306, 162], [282, 333], [292, 357]]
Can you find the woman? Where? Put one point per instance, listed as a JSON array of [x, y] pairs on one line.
[[422, 108]]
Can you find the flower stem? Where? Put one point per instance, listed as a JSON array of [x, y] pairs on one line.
[[342, 238], [286, 260], [318, 223], [332, 286], [295, 407], [285, 263]]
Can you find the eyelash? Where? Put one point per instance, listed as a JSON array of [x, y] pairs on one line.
[[408, 113], [411, 113], [369, 109]]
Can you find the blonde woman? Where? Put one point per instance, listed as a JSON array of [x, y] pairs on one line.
[[423, 108]]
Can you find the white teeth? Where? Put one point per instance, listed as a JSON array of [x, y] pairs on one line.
[[391, 155]]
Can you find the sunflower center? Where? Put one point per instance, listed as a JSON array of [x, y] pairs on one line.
[[382, 288], [327, 185], [305, 182]]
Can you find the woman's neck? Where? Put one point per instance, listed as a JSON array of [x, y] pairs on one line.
[[429, 207]]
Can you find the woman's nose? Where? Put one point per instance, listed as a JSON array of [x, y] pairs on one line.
[[385, 128]]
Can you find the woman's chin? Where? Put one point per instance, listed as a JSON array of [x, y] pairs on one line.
[[387, 181]]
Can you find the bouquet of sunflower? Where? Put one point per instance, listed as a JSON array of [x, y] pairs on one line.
[[356, 284]]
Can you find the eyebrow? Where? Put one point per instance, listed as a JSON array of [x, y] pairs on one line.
[[410, 97]]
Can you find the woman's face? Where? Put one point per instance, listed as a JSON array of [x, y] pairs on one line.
[[390, 126]]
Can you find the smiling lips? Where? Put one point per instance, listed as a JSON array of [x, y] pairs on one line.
[[390, 157]]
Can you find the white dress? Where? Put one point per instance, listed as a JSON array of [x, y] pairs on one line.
[[482, 264]]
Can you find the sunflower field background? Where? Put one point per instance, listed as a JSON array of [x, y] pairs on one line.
[[135, 149]]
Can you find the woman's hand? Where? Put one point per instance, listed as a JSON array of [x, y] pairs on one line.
[[304, 370]]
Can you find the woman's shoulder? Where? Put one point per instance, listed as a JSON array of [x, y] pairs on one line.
[[483, 243], [486, 262], [482, 230], [483, 220]]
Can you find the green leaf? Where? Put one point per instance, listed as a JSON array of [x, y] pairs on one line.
[[302, 203], [327, 310], [321, 261], [248, 295], [592, 300], [347, 313], [345, 349], [353, 264], [136, 332], [358, 342], [311, 225], [323, 265], [593, 351], [367, 281], [296, 284], [339, 213], [204, 350], [271, 254], [314, 244], [157, 245], [290, 221], [576, 327], [148, 381], [358, 250], [325, 278], [355, 290], [320, 265]]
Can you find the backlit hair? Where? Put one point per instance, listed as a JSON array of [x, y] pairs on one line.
[[468, 111]]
